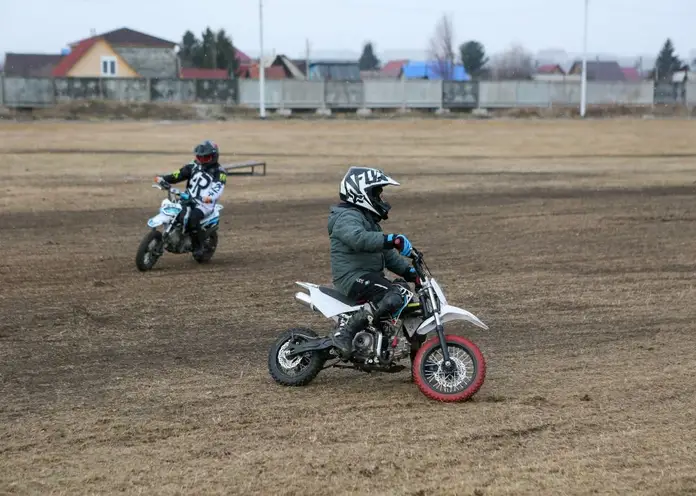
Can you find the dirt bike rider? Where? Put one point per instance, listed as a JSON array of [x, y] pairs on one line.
[[206, 181], [360, 252]]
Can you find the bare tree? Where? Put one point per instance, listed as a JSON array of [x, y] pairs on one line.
[[514, 63], [441, 50]]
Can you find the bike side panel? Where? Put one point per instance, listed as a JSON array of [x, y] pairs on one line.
[[213, 219], [328, 306]]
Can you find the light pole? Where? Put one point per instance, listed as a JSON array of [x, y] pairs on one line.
[[583, 84], [262, 69]]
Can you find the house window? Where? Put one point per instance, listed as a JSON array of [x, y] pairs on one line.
[[108, 66]]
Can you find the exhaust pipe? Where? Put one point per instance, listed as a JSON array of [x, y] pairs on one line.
[[304, 299]]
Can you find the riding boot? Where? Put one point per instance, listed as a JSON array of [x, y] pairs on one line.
[[343, 338], [197, 238]]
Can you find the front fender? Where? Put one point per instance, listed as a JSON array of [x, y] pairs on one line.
[[159, 220], [448, 313]]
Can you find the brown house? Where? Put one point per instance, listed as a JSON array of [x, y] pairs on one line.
[[599, 70]]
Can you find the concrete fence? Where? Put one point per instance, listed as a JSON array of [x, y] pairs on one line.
[[371, 94]]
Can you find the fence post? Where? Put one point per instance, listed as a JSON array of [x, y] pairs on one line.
[[404, 99], [148, 88], [2, 89], [282, 94]]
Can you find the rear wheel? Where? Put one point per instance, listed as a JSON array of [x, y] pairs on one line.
[[209, 247], [149, 251], [456, 383], [294, 371]]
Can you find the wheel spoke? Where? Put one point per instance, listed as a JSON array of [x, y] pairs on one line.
[[448, 382]]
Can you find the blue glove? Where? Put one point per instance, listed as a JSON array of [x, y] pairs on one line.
[[398, 241], [185, 196]]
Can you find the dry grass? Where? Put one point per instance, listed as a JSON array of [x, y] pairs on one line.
[[114, 380]]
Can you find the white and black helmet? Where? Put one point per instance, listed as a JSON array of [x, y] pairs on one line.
[[362, 186]]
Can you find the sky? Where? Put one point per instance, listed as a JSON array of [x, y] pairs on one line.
[[334, 27]]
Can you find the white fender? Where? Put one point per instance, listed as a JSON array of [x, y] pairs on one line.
[[168, 212], [329, 307], [448, 313]]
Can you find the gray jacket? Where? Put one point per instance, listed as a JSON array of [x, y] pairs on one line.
[[357, 247]]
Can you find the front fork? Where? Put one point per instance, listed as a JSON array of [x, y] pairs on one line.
[[439, 328]]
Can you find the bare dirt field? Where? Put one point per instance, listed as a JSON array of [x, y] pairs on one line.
[[572, 240]]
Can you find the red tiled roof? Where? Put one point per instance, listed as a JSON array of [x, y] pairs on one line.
[[548, 68], [393, 67], [195, 73], [631, 73], [242, 57], [67, 62]]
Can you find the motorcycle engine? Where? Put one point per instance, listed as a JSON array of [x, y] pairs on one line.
[[177, 241], [363, 341]]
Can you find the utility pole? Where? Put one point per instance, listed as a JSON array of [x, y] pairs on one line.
[[583, 85], [262, 68]]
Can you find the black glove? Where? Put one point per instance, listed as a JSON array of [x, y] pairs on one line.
[[412, 276]]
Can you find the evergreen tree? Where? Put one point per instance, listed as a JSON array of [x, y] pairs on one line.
[[368, 60], [211, 51], [473, 57], [667, 62]]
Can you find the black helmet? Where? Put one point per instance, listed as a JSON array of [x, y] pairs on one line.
[[207, 153]]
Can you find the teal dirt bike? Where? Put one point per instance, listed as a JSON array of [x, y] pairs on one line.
[[173, 236]]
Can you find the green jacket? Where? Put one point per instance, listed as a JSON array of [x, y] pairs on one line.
[[357, 247]]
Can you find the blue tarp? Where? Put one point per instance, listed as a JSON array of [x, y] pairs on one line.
[[430, 70]]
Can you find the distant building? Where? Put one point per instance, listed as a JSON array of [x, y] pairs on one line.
[[30, 64], [120, 53], [411, 69], [605, 71], [334, 70]]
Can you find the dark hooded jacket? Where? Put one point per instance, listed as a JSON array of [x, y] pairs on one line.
[[357, 247]]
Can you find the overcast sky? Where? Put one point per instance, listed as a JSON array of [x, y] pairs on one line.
[[621, 27]]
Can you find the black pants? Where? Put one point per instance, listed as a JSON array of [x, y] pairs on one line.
[[196, 215], [385, 296]]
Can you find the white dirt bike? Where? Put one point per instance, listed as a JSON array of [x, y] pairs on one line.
[[174, 238], [446, 367]]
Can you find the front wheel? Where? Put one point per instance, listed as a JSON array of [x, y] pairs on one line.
[[209, 247], [458, 383], [296, 371], [149, 251]]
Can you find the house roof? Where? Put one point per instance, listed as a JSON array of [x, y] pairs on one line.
[[127, 36], [301, 64], [601, 70], [291, 68], [428, 70], [68, 61], [549, 68], [242, 57], [631, 73], [30, 64], [393, 67], [195, 73]]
